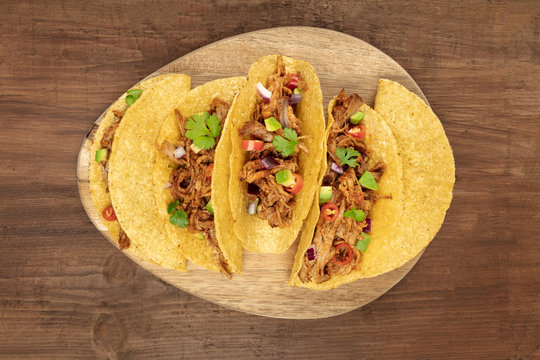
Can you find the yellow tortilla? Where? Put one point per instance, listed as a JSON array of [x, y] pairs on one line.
[[428, 174], [383, 148], [98, 190], [256, 234], [195, 249], [130, 172]]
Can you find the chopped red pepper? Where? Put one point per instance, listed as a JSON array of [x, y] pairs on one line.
[[298, 184], [344, 254], [330, 212], [109, 214], [358, 131]]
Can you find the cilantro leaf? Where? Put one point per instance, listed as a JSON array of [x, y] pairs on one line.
[[214, 125], [355, 214], [179, 218], [287, 145], [172, 206], [133, 95], [347, 156], [203, 129]]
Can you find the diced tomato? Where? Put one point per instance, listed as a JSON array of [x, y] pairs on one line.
[[358, 131], [252, 145], [109, 214], [208, 170], [293, 82], [344, 254], [330, 212], [298, 184]]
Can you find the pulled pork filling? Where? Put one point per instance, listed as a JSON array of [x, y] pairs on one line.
[[191, 182], [274, 202], [334, 248]]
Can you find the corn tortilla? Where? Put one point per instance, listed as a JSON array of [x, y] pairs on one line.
[[130, 172], [428, 174]]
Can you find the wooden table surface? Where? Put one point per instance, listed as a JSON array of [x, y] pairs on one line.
[[66, 293]]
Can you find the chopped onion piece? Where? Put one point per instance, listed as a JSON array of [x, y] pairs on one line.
[[336, 168], [269, 162], [311, 253], [252, 207], [264, 92], [367, 229], [252, 189], [167, 185], [295, 99], [179, 153]]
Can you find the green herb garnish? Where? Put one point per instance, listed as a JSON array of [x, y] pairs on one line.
[[363, 243], [287, 145], [133, 95], [355, 214], [203, 129], [347, 156], [179, 216], [368, 181]]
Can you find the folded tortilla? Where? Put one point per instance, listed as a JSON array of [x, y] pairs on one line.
[[131, 166]]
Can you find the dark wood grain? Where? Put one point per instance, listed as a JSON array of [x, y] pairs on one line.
[[66, 293]]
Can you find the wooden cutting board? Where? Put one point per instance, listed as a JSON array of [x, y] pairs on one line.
[[340, 61]]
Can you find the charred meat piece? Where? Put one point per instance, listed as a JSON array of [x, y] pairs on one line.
[[256, 130]]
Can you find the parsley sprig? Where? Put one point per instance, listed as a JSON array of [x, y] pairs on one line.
[[286, 145], [203, 129], [347, 156], [178, 216], [355, 214]]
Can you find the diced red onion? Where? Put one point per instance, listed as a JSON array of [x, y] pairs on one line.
[[311, 253], [167, 185], [269, 162], [284, 113], [336, 168], [179, 153], [252, 189], [295, 99], [367, 229], [252, 207], [264, 92]]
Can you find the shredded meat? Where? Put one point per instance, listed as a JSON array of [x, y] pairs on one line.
[[275, 204], [255, 130], [123, 240], [346, 194], [168, 150], [192, 184], [219, 108]]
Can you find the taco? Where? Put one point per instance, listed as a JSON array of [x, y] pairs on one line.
[[130, 166], [191, 176], [358, 202], [277, 130], [98, 166]]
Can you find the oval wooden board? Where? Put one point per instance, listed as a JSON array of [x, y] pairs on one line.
[[340, 61]]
